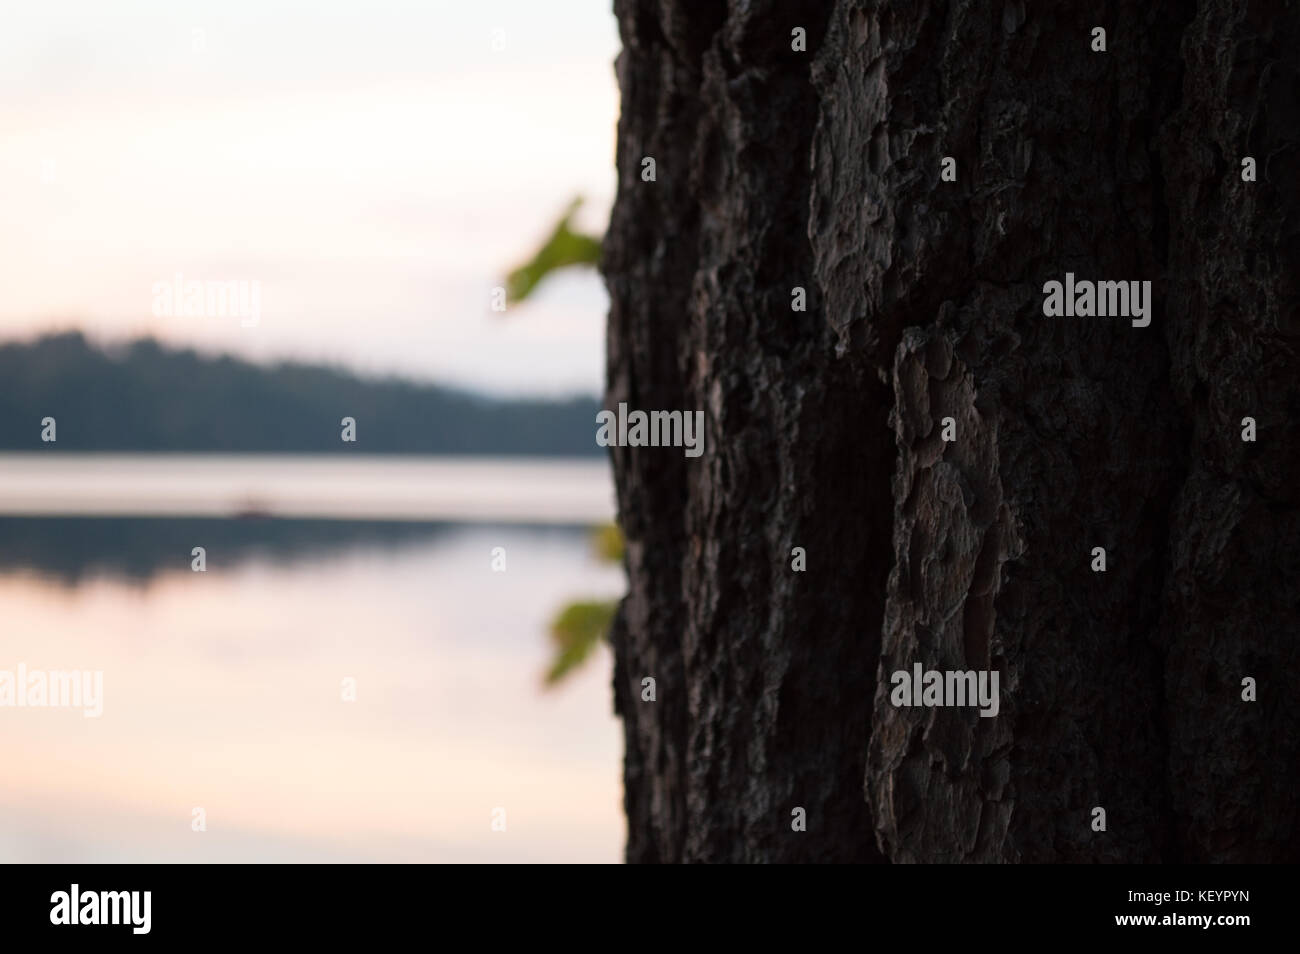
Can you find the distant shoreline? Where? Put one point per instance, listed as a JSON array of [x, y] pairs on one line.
[[62, 393]]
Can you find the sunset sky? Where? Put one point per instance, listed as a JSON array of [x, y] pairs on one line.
[[376, 167]]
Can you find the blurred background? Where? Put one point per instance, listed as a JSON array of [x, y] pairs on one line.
[[361, 178]]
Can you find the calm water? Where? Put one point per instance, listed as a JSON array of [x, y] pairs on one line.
[[222, 690], [340, 487]]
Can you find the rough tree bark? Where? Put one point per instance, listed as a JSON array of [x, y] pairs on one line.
[[820, 169]]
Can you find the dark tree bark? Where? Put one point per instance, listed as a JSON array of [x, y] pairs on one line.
[[821, 169]]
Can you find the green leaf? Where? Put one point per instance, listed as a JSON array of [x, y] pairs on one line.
[[607, 541], [576, 631], [564, 249]]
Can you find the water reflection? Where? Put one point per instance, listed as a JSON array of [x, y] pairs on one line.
[[71, 549], [222, 691]]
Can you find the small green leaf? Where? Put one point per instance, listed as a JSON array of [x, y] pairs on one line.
[[576, 631], [565, 248], [607, 541]]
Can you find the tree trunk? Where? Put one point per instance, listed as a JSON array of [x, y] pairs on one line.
[[1122, 689]]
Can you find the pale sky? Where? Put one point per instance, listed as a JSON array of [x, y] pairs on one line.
[[375, 165]]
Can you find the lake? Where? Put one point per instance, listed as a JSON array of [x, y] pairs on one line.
[[524, 490], [224, 691]]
